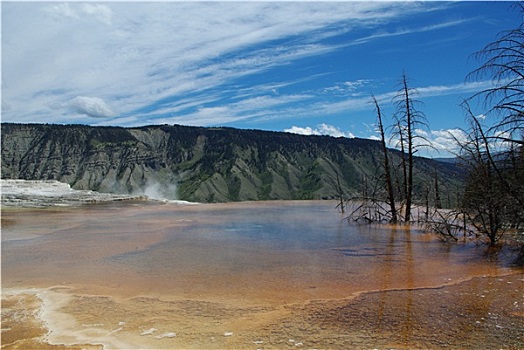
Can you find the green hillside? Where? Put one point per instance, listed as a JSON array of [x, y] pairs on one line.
[[203, 164]]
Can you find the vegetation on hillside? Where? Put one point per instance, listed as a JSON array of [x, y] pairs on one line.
[[200, 164]]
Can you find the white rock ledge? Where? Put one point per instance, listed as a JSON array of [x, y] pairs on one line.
[[49, 193]]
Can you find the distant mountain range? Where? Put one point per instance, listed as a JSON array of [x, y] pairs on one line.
[[454, 160], [203, 164]]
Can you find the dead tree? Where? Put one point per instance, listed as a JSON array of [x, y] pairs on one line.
[[370, 206], [409, 118], [449, 225], [502, 61], [340, 194], [438, 201], [485, 202], [387, 169]]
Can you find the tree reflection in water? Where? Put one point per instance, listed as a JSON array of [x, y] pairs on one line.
[[270, 272]]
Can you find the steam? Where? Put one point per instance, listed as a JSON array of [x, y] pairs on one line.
[[160, 191]]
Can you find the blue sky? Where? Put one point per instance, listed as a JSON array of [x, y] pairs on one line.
[[304, 67]]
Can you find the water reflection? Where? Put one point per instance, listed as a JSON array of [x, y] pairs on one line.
[[264, 259], [291, 244]]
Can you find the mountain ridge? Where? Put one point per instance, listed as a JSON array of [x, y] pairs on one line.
[[201, 164]]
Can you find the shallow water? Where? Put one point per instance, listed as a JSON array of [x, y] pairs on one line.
[[248, 275]]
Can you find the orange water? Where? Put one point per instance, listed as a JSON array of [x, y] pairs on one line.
[[228, 275]]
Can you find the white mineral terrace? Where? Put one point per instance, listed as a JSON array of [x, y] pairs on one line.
[[44, 193]]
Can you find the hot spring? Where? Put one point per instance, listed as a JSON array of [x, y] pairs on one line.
[[256, 275]]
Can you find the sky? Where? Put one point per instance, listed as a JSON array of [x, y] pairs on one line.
[[301, 66]]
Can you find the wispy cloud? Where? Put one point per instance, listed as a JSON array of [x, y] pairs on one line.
[[407, 31], [462, 88], [134, 56], [270, 105], [100, 12], [252, 108], [362, 100]]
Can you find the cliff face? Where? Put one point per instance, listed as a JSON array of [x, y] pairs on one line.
[[195, 164]]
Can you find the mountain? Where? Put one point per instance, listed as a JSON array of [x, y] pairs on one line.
[[201, 164], [454, 160]]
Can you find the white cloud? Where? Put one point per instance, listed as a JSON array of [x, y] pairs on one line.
[[136, 54], [63, 9], [5, 106], [442, 90], [102, 13], [302, 131], [362, 101], [205, 115], [434, 143], [90, 106], [348, 88], [333, 131], [99, 11], [447, 140], [421, 133], [321, 129], [381, 34]]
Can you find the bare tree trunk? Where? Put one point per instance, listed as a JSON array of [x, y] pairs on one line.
[[409, 136], [340, 196], [485, 197], [438, 202], [403, 161], [426, 214], [387, 170]]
